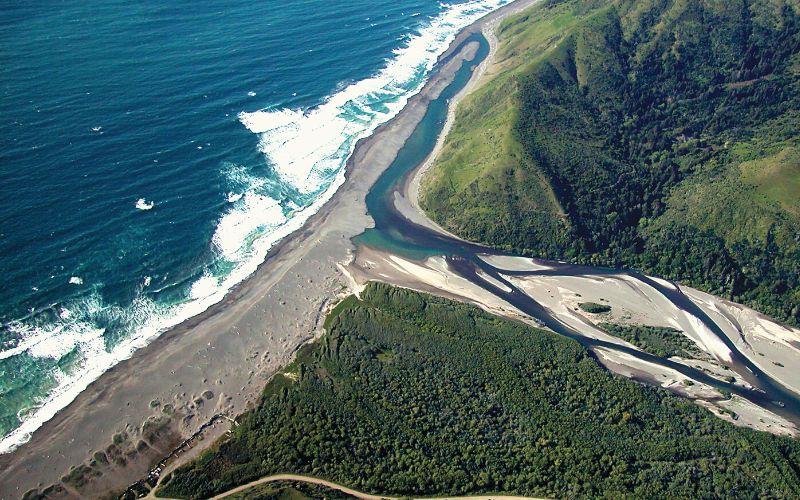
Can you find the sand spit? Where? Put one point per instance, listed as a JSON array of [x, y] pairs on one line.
[[631, 301], [139, 410], [433, 276], [513, 263]]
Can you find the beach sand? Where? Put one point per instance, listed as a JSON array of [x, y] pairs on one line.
[[219, 361]]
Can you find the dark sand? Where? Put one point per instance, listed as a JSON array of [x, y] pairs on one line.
[[218, 362]]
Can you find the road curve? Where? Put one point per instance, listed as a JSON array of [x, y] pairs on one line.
[[345, 489]]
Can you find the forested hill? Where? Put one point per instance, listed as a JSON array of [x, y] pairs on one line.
[[655, 134], [409, 394]]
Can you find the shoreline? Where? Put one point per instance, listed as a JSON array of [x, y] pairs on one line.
[[219, 360], [181, 312], [413, 182], [739, 330], [407, 197]]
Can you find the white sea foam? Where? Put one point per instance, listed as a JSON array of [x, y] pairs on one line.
[[76, 280], [256, 214], [55, 339], [204, 287], [307, 149], [143, 204], [305, 145], [147, 319]]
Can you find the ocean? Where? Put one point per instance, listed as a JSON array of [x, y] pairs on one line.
[[151, 153]]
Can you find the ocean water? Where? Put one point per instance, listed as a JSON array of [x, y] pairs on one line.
[[152, 153]]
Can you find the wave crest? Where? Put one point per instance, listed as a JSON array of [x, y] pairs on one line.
[[305, 146], [307, 149]]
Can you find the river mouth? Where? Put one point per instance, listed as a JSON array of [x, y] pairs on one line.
[[396, 234]]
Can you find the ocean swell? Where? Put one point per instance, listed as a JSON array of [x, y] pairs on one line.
[[305, 146], [306, 151]]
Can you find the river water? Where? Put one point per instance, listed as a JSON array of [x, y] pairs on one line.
[[395, 233]]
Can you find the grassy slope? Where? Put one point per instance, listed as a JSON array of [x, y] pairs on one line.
[[417, 395], [477, 169], [660, 134]]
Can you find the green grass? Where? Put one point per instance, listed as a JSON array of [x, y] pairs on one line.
[[776, 179], [529, 35], [656, 135], [479, 159]]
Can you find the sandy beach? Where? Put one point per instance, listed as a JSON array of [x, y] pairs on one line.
[[217, 362]]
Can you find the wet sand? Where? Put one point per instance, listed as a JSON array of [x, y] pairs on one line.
[[219, 361]]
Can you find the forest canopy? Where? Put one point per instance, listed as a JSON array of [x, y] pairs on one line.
[[408, 394]]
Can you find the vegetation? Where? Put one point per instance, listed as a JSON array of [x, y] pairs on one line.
[[289, 490], [659, 341], [660, 135], [408, 394], [594, 307]]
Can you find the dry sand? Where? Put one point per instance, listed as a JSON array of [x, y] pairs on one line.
[[774, 348], [430, 276], [219, 360], [631, 301]]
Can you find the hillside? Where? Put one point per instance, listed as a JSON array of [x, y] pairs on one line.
[[655, 134], [408, 394]]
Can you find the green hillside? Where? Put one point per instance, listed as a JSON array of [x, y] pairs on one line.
[[657, 134], [408, 394]]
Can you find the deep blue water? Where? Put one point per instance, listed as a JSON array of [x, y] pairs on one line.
[[110, 108]]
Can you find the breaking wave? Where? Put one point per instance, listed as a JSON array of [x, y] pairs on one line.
[[306, 150]]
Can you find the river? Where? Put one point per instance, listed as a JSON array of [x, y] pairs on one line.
[[396, 233]]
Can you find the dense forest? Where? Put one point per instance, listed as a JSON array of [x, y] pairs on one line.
[[655, 134], [408, 394]]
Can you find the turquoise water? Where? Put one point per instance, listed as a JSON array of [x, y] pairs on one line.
[[391, 231], [150, 155]]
